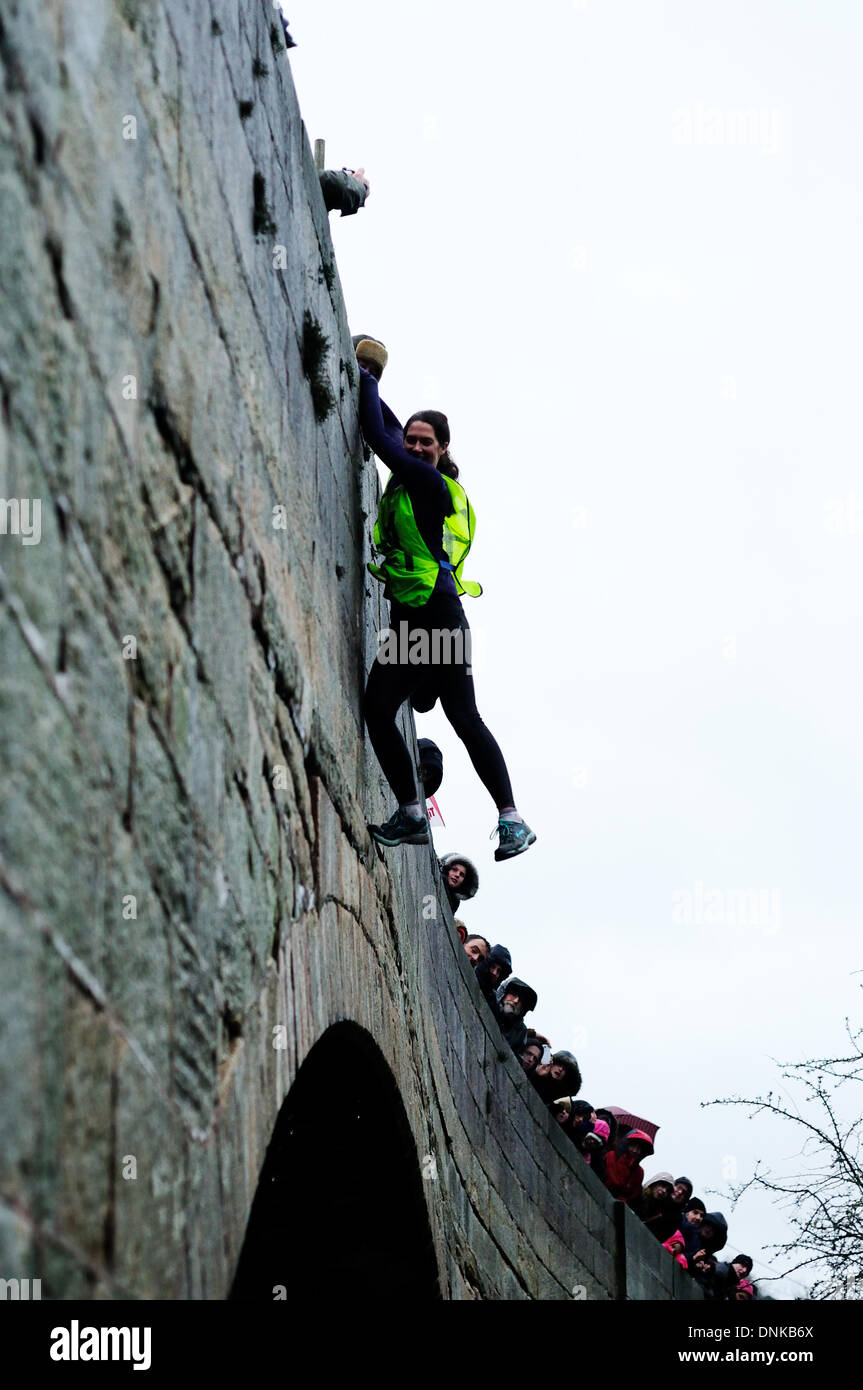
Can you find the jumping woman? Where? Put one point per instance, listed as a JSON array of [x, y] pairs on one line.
[[424, 530]]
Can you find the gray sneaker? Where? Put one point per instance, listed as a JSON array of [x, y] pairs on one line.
[[515, 837], [401, 829]]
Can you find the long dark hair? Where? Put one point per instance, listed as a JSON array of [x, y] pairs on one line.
[[440, 425]]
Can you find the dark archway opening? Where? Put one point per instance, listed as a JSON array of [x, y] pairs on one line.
[[340, 1204]]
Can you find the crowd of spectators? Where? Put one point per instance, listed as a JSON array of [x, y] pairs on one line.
[[678, 1219]]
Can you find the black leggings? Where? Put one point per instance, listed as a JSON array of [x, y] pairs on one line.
[[390, 683]]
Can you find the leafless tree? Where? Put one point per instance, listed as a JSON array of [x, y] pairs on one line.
[[824, 1196]]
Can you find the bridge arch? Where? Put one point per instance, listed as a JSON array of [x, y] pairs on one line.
[[339, 1202]]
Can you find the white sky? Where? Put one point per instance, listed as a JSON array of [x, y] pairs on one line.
[[643, 320]]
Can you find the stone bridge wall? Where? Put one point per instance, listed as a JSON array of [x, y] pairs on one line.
[[184, 865]]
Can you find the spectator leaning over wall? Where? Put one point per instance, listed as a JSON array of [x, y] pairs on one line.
[[573, 1116], [680, 1195], [739, 1288], [624, 1175], [581, 1122], [560, 1076], [514, 1000], [655, 1209], [714, 1232], [491, 972], [702, 1267], [531, 1053], [424, 531], [690, 1226], [344, 190], [477, 949], [460, 879]]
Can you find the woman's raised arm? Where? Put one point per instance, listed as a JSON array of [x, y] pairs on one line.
[[384, 434]]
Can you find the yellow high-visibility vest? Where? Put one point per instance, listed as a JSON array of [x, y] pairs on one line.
[[408, 567]]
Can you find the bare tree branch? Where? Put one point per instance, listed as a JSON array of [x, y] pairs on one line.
[[824, 1198]]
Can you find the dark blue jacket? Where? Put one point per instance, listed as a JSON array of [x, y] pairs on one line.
[[502, 956]]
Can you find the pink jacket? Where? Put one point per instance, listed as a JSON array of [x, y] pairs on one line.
[[677, 1238]]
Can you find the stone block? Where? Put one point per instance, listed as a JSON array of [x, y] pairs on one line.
[[149, 1185]]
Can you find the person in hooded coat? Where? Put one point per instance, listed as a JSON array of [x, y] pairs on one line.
[[624, 1175], [460, 878], [491, 972], [714, 1232], [680, 1194], [559, 1077], [575, 1118], [431, 766], [582, 1118], [562, 1111], [514, 1000], [655, 1207]]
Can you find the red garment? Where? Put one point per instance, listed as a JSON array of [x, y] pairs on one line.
[[624, 1177]]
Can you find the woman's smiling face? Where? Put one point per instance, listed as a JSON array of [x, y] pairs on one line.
[[420, 439]]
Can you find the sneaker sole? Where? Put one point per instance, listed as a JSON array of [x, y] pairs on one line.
[[513, 854]]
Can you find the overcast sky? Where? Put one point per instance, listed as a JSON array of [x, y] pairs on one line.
[[619, 244]]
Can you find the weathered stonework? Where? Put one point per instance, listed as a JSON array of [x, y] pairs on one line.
[[184, 864]]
